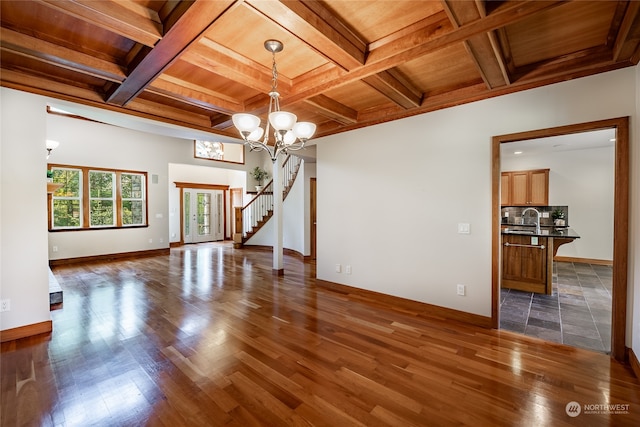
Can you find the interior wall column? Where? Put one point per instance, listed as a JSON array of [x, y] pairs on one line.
[[278, 252]]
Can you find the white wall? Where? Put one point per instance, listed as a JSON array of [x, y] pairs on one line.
[[24, 275], [583, 180], [392, 195]]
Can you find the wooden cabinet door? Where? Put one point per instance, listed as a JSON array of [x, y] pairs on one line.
[[505, 189], [524, 266], [539, 187], [525, 188], [520, 188]]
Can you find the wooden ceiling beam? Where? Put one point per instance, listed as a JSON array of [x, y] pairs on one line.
[[427, 40], [186, 30], [333, 109], [481, 48], [316, 26], [627, 43], [221, 61], [568, 65], [222, 121], [395, 87], [87, 96], [126, 19], [34, 48], [192, 95]]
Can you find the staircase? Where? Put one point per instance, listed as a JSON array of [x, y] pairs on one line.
[[252, 217]]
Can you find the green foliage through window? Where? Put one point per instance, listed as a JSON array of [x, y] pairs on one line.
[[102, 199], [67, 208], [132, 186]]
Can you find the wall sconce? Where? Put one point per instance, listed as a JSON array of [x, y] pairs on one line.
[[51, 145]]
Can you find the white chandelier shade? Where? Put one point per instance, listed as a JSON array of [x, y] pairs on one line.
[[282, 121], [245, 122], [304, 130]]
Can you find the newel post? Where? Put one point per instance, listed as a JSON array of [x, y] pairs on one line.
[[237, 232]]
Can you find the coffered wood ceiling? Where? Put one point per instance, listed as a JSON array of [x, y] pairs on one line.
[[346, 63]]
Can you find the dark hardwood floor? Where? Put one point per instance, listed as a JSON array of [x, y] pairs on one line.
[[207, 336]]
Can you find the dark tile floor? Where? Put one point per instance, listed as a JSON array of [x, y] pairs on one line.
[[577, 313]]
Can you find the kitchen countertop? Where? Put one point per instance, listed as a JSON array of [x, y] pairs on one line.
[[563, 232]]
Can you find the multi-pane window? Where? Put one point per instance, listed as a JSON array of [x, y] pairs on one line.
[[133, 210], [97, 198], [67, 201], [101, 198]]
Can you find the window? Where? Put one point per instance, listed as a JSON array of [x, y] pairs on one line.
[[133, 209], [92, 198], [101, 198], [67, 201], [230, 153]]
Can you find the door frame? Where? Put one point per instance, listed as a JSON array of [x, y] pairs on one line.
[[620, 226], [198, 186], [313, 231]]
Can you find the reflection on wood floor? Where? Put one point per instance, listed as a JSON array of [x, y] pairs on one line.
[[207, 336]]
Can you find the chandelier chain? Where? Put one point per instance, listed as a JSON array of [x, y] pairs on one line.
[[274, 74]]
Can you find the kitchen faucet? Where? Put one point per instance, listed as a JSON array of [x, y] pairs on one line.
[[538, 214]]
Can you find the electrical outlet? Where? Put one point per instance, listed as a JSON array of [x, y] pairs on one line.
[[347, 269], [55, 249], [461, 290], [338, 268], [5, 305], [150, 240]]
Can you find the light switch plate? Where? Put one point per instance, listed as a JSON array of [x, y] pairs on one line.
[[464, 228]]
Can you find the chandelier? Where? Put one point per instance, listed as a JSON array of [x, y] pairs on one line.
[[289, 135]]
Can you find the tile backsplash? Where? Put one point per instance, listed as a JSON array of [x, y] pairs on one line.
[[512, 215]]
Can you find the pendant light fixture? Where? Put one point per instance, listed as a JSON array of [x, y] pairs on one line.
[[289, 134]]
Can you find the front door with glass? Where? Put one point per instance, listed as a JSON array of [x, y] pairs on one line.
[[203, 216]]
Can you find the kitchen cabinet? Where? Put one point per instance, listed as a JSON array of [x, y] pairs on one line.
[[527, 266], [527, 257], [525, 188]]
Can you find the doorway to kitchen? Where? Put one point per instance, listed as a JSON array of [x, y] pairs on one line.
[[618, 270]]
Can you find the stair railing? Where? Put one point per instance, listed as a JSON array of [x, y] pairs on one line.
[[250, 218]]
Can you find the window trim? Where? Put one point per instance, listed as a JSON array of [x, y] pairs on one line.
[[86, 200]]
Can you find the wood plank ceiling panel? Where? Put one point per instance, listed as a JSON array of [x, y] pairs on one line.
[[346, 64], [569, 28]]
